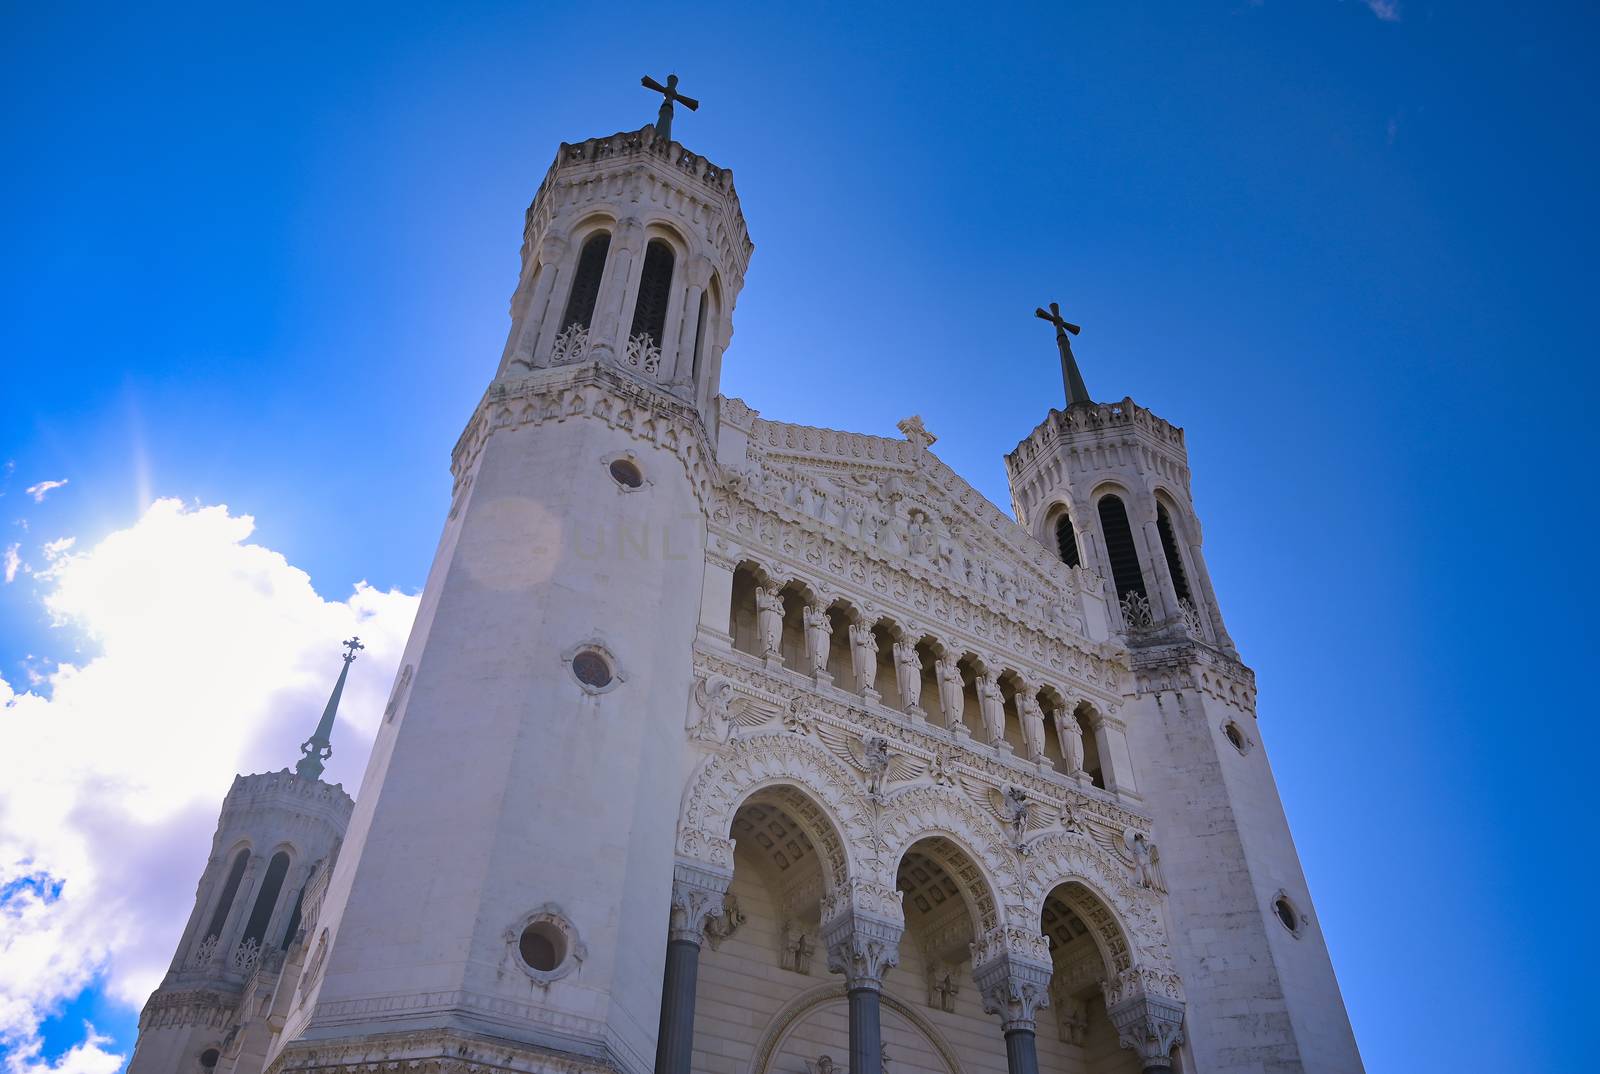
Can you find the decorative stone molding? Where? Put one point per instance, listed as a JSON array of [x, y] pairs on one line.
[[803, 1006], [1013, 988], [1146, 1008], [698, 895], [440, 1051], [862, 945]]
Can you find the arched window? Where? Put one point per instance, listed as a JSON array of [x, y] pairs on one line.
[[1169, 545], [230, 891], [586, 281], [650, 311], [294, 917], [1067, 541], [271, 885], [1120, 549]]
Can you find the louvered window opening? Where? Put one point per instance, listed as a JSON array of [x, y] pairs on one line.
[[1169, 545], [655, 281], [586, 281], [1120, 550], [1067, 541]]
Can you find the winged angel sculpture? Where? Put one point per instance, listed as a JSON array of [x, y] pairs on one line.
[[872, 757], [719, 710]]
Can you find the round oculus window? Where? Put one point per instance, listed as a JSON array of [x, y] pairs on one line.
[[592, 669], [1235, 736], [542, 946], [625, 472], [208, 1059]]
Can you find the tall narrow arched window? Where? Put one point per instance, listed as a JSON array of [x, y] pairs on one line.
[[586, 281], [1169, 545], [1120, 549], [230, 891], [655, 281], [271, 885], [294, 918], [1067, 540]]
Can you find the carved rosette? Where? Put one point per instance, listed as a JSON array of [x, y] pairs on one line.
[[1146, 1007], [1014, 988], [698, 896], [862, 946]]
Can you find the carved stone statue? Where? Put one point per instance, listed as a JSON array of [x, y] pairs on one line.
[[864, 656], [908, 674], [944, 983], [992, 705], [1032, 726], [1016, 807], [1071, 736], [876, 757], [798, 948], [818, 630], [952, 697], [1146, 861], [769, 621]]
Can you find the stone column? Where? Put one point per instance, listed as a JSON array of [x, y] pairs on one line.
[[1202, 578], [697, 897], [863, 947], [1146, 1007], [698, 273], [1116, 763], [1015, 988], [530, 326], [608, 335]]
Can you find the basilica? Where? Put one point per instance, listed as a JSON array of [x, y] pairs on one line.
[[729, 745]]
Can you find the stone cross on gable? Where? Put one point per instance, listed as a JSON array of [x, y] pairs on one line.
[[669, 93], [1070, 377]]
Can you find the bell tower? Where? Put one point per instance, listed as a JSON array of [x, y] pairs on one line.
[[1107, 485], [502, 895]]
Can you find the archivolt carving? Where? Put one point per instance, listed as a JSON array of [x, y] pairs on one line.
[[824, 799], [1125, 920], [924, 812]]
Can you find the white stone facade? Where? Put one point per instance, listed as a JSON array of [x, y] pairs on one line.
[[799, 715]]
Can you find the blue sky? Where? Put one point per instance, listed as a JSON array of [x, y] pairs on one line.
[[261, 258]]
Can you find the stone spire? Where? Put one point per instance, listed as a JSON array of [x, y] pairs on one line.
[[317, 748]]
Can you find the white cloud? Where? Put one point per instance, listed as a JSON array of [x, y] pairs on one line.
[[13, 562], [1386, 10], [88, 1056], [215, 657], [43, 489]]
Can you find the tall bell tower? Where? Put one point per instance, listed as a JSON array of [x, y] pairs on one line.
[[501, 897], [1107, 485]]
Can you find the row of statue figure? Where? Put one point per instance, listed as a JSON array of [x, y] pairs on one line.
[[886, 513]]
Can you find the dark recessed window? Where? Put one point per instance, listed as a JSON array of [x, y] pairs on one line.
[[1286, 914], [592, 669], [1234, 736], [1067, 541], [586, 281], [626, 473], [655, 283], [1169, 546], [1120, 549], [208, 1059], [542, 946]]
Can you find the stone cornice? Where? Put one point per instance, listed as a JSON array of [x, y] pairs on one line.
[[1196, 665], [439, 1051], [285, 791], [590, 390]]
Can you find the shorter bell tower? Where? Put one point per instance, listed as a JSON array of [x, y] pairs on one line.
[[277, 833]]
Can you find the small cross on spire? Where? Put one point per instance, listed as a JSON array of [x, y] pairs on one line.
[[352, 646], [1070, 377], [670, 94]]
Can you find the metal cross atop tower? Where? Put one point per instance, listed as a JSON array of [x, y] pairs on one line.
[[671, 94], [1070, 377]]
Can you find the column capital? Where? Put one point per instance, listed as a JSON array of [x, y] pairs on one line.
[[1013, 987], [1146, 1007], [698, 892], [863, 946]]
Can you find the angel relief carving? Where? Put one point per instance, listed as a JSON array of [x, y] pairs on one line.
[[871, 757], [718, 711]]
